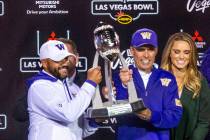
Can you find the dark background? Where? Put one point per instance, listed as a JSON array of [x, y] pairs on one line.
[[18, 39]]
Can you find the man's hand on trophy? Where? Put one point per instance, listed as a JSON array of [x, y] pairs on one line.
[[144, 114], [94, 74], [125, 75], [105, 91]]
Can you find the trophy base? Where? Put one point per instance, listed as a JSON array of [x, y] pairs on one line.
[[116, 109]]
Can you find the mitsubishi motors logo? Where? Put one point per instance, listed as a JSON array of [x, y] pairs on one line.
[[200, 44], [198, 40]]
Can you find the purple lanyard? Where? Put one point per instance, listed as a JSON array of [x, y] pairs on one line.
[[65, 83]]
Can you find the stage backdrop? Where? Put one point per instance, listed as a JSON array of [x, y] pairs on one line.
[[26, 24]]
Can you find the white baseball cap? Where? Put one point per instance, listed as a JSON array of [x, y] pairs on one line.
[[54, 50]]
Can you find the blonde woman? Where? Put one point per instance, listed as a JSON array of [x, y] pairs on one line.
[[180, 58]]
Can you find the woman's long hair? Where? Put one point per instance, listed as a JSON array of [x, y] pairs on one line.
[[192, 79]]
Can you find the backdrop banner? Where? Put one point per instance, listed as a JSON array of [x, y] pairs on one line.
[[26, 24]]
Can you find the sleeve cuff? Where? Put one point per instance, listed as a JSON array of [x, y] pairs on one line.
[[91, 82], [155, 118], [89, 88], [124, 86]]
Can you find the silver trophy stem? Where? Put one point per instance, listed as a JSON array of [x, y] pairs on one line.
[[96, 100], [108, 80], [103, 110], [131, 88]]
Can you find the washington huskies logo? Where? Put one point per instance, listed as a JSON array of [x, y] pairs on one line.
[[165, 81], [178, 102], [60, 46], [146, 35]]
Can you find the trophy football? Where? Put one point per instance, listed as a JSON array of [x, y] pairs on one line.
[[107, 45]]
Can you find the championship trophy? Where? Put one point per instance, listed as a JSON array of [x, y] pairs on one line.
[[107, 46]]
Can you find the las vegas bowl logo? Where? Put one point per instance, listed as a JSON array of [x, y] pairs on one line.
[[124, 11], [32, 64]]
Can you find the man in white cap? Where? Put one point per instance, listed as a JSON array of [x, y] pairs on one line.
[[52, 105], [156, 87]]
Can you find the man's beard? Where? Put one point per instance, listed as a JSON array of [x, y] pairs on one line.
[[70, 68], [55, 72]]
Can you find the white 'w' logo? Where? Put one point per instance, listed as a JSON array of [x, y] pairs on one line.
[[146, 35]]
